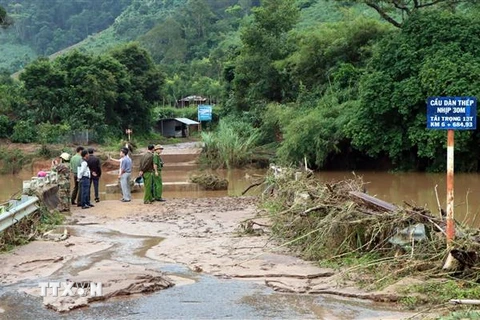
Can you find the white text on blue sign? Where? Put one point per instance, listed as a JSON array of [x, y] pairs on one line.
[[455, 113]]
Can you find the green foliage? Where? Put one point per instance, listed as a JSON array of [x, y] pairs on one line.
[[51, 133], [321, 11], [324, 72], [12, 160], [424, 59], [24, 132], [107, 93], [462, 315], [316, 133], [264, 42], [397, 13], [14, 57], [332, 52], [231, 145], [5, 127], [51, 25], [439, 292]]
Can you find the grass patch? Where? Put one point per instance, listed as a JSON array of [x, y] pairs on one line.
[[462, 315], [442, 291], [232, 144]]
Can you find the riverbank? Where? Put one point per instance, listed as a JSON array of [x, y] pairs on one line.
[[202, 234]]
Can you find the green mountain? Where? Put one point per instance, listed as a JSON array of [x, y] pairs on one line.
[[42, 27], [172, 30], [325, 81]]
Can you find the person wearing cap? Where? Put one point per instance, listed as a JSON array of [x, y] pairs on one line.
[[95, 171], [62, 168], [157, 177], [75, 162], [146, 170]]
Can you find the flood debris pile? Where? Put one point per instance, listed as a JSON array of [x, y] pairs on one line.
[[209, 181], [334, 221]]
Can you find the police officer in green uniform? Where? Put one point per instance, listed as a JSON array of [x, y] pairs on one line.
[[157, 177], [147, 170]]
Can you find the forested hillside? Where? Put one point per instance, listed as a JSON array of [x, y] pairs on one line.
[[340, 84], [42, 27]]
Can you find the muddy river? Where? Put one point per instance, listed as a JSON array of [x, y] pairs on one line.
[[415, 188]]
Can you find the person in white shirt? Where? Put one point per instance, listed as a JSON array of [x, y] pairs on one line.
[[83, 176]]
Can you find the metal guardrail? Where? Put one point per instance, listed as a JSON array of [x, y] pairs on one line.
[[16, 210]]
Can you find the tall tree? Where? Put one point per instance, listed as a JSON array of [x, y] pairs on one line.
[[256, 77], [438, 57]]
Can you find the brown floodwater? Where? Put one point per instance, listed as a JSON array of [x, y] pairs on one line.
[[415, 188]]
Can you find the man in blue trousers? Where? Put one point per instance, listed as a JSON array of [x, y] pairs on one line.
[[83, 176]]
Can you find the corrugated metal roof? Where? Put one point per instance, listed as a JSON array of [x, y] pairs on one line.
[[194, 98], [186, 121]]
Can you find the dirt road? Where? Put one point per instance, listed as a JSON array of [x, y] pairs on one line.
[[135, 248]]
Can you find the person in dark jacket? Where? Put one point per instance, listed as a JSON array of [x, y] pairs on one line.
[[95, 172]]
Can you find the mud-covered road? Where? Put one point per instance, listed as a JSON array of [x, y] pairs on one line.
[[181, 259]]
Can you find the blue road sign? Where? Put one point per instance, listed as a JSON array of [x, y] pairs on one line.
[[452, 113], [204, 113]]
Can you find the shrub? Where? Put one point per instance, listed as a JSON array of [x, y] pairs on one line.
[[52, 133], [231, 145], [5, 126], [24, 132]]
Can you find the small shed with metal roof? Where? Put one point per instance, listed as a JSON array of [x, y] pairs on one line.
[[177, 127]]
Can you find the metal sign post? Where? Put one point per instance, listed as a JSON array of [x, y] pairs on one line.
[[451, 113], [128, 132], [450, 220]]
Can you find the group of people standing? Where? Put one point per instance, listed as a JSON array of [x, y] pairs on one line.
[[87, 170], [151, 166]]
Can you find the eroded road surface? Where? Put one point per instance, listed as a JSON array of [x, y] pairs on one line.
[[181, 259]]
